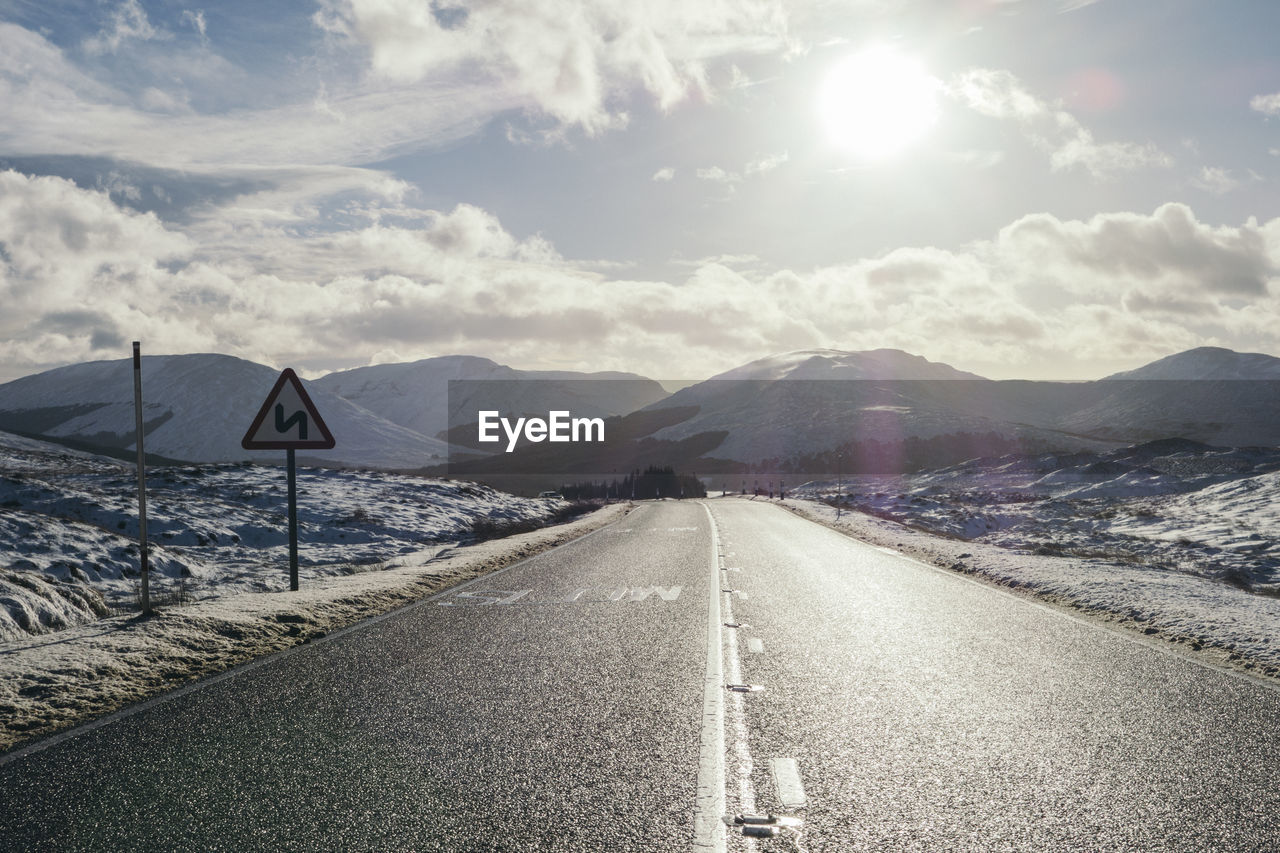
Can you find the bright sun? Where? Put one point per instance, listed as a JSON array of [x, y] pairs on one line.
[[877, 102]]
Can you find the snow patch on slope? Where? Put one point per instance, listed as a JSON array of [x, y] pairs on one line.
[[845, 365]]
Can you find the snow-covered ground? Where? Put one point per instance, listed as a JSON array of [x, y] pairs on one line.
[[1176, 539], [68, 529], [1169, 505]]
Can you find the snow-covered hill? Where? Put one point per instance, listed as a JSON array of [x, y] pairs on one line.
[[1207, 363], [1209, 394], [802, 403], [841, 364], [786, 406], [417, 394], [195, 408], [811, 401]]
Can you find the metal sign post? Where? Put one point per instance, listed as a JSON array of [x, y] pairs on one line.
[[293, 521], [142, 477], [288, 421]]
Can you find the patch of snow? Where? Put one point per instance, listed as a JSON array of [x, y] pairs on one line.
[[845, 365]]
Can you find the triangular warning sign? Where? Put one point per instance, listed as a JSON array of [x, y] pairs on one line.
[[288, 420]]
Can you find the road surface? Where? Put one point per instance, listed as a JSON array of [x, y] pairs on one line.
[[578, 701]]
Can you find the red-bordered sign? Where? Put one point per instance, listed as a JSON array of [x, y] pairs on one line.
[[288, 420]]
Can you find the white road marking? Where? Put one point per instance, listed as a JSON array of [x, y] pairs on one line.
[[708, 829], [755, 645], [737, 714], [786, 779]]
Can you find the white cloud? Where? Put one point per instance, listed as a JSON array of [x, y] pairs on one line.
[[78, 273], [196, 20], [765, 164], [128, 23], [1216, 180], [1266, 104], [571, 61], [759, 166], [1069, 144], [52, 107], [666, 173], [717, 175]]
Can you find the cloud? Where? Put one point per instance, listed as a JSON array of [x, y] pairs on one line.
[[766, 164], [1216, 180], [128, 23], [1069, 144], [1268, 105], [571, 61], [53, 107], [1169, 251], [759, 166], [717, 175], [666, 173], [197, 21], [80, 274]]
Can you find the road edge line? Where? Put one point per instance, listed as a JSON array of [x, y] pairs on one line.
[[708, 822]]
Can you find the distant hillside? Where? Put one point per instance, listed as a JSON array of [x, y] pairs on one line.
[[1207, 363], [196, 408], [417, 394], [881, 410], [839, 364]]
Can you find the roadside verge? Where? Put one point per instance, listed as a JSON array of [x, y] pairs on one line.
[[55, 681], [1207, 620]]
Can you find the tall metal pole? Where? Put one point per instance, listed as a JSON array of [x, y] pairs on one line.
[[293, 523], [839, 481], [142, 477]]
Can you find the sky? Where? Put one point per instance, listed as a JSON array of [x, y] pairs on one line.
[[1044, 189]]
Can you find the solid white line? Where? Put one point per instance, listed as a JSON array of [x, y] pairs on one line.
[[708, 826], [249, 666]]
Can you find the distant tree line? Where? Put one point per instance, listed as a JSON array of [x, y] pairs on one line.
[[652, 482]]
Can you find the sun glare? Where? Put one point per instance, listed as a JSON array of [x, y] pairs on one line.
[[876, 103]]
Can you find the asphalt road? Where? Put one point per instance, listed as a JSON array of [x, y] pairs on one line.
[[577, 701]]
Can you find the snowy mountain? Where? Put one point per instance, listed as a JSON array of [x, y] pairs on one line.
[[786, 406], [839, 364], [195, 408], [809, 402], [1207, 363], [1209, 394], [417, 395]]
